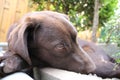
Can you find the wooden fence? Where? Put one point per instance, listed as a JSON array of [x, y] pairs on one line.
[[10, 11]]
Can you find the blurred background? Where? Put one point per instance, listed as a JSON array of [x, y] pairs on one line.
[[95, 20]]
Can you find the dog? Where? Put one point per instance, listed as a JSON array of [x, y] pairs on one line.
[[47, 38]]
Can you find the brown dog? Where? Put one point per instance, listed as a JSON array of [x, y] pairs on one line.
[[48, 38]]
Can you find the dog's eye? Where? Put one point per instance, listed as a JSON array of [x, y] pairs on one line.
[[60, 46], [61, 49]]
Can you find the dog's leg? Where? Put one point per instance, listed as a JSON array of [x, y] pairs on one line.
[[108, 70], [11, 63]]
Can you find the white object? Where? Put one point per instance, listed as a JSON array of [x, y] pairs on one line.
[[18, 76], [57, 74]]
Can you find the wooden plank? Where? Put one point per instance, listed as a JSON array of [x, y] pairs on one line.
[[21, 8], [10, 11], [6, 17], [1, 16]]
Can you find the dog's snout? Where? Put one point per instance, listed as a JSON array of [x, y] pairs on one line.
[[84, 60]]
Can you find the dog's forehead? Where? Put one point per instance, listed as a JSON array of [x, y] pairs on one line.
[[60, 24], [54, 20]]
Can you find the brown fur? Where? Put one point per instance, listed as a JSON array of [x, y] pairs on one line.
[[105, 65], [48, 38]]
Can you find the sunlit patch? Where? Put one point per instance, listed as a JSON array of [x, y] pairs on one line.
[[2, 53], [103, 60], [116, 67], [2, 64], [88, 49]]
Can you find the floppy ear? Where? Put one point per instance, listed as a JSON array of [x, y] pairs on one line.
[[17, 39]]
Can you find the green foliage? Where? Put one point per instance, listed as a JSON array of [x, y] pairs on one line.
[[107, 10], [110, 33], [79, 11], [117, 56]]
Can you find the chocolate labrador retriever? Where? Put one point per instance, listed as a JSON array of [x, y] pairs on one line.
[[48, 38]]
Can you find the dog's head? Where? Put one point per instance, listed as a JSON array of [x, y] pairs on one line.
[[50, 37]]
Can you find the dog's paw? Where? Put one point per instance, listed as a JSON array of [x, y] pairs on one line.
[[11, 63]]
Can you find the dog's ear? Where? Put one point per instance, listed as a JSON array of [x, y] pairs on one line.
[[17, 39]]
